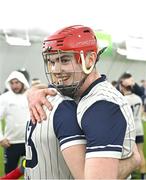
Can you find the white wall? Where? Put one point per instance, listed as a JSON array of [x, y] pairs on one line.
[[16, 57], [116, 65]]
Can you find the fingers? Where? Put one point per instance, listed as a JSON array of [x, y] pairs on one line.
[[46, 103], [8, 144], [34, 116], [37, 99], [37, 112], [40, 86], [5, 143], [51, 92], [41, 112]]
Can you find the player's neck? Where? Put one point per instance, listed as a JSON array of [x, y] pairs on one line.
[[89, 80]]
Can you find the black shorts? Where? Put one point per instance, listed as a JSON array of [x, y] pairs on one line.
[[139, 139]]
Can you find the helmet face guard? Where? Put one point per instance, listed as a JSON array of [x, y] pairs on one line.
[[66, 79]]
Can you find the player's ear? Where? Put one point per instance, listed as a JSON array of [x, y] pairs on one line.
[[90, 59]]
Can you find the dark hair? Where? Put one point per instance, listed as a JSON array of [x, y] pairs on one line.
[[114, 83], [125, 76]]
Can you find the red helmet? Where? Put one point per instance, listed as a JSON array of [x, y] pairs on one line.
[[77, 39], [74, 38]]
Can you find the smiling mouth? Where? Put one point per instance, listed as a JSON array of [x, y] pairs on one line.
[[62, 78]]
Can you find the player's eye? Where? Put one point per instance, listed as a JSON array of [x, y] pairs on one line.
[[52, 62], [65, 59]]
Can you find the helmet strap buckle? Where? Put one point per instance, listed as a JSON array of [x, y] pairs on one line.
[[86, 71]]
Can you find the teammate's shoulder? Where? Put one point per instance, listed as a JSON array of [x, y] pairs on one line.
[[58, 98]]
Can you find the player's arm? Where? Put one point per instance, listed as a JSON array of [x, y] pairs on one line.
[[37, 99], [127, 166], [101, 168], [74, 157], [105, 138], [71, 138]]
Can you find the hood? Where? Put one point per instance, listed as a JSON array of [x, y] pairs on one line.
[[19, 76]]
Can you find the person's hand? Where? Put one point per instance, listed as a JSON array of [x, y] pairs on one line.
[[5, 143], [37, 99], [136, 157], [127, 166]]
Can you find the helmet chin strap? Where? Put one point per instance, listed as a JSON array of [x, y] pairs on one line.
[[86, 71]]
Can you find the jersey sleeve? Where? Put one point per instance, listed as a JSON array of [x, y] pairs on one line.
[[104, 127], [65, 125]]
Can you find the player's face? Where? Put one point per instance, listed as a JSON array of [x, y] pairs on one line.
[[64, 68], [16, 86]]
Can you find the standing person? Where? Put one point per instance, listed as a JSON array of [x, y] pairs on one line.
[[137, 108], [14, 109], [136, 89], [105, 120], [143, 88]]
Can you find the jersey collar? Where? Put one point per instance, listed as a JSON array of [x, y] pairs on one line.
[[97, 81]]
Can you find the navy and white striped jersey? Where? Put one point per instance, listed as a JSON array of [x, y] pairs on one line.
[[136, 105], [43, 156], [107, 121]]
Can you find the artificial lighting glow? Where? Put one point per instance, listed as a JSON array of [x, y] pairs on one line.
[[17, 41], [122, 52], [135, 46], [120, 16]]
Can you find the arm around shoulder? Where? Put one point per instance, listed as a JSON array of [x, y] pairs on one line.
[[127, 166]]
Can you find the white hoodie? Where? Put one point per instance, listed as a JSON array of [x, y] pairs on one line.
[[14, 108]]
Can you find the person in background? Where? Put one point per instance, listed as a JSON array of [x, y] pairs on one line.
[[35, 82], [114, 83], [137, 107], [143, 88], [103, 115], [14, 109], [130, 82], [25, 73]]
